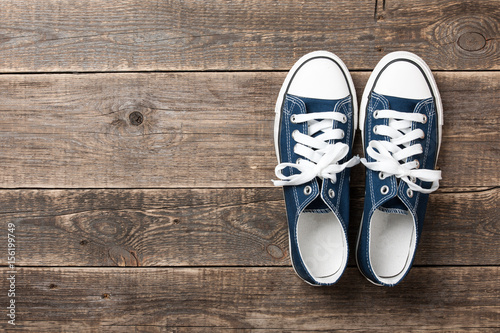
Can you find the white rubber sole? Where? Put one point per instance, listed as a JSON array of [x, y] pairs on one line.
[[281, 98], [356, 254], [364, 103]]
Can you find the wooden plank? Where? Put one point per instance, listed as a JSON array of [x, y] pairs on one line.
[[216, 227], [55, 35], [77, 327], [446, 298], [197, 130]]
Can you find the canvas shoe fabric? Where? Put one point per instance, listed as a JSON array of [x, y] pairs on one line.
[[316, 115], [400, 120]]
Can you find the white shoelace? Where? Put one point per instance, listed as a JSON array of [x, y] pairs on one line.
[[391, 159], [320, 157]]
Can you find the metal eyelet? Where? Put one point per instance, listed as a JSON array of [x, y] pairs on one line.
[[333, 181], [344, 119], [384, 189], [343, 135], [375, 114], [409, 193], [375, 129], [331, 193], [307, 190], [418, 164], [292, 118], [297, 161], [413, 179], [424, 119], [381, 175]]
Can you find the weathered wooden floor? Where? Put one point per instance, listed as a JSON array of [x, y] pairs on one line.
[[136, 156]]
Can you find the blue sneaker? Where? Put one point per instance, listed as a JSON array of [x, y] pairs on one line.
[[400, 120], [313, 133]]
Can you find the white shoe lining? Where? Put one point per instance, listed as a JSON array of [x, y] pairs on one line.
[[321, 244], [392, 243]]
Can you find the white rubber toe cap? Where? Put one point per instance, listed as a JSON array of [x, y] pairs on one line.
[[319, 77], [404, 79]]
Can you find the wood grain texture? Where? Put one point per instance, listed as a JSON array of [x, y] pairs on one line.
[[216, 227], [77, 327], [447, 298], [198, 130], [137, 152], [55, 35]]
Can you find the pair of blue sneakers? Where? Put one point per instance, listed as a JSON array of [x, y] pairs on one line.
[[400, 119]]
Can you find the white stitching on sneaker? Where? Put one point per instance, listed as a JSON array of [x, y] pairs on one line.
[[390, 157], [321, 158]]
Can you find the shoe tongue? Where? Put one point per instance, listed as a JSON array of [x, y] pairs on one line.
[[402, 104], [314, 105], [317, 205], [395, 205]]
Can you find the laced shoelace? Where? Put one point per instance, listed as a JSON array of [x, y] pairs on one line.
[[391, 159], [320, 158]]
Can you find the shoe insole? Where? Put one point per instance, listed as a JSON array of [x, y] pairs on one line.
[[391, 242], [321, 243]]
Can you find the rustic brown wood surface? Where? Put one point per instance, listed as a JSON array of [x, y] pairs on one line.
[[217, 227], [96, 35], [257, 298], [71, 131], [137, 152]]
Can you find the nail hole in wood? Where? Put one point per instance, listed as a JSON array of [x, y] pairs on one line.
[[105, 296], [136, 118], [52, 286], [84, 242]]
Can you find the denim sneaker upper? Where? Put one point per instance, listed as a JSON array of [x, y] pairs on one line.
[[401, 119], [314, 131]]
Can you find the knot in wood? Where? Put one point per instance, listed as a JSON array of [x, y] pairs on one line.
[[275, 251], [136, 118], [471, 41]]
